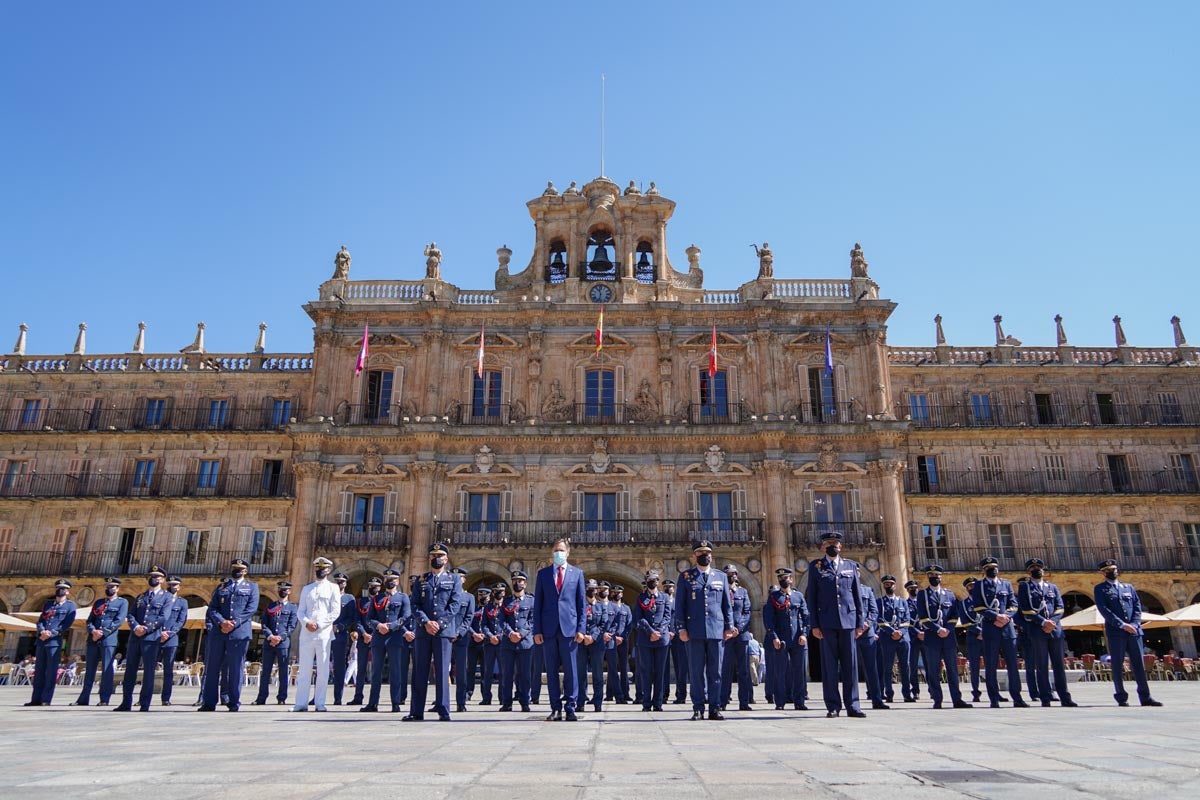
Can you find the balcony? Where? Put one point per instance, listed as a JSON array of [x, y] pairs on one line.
[[1055, 415], [113, 418], [717, 413], [1164, 481], [360, 536], [612, 533], [828, 414], [1140, 558], [105, 563], [125, 485], [807, 535]]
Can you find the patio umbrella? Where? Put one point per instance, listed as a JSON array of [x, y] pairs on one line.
[[195, 619], [8, 623], [81, 618], [1188, 615], [1090, 620]]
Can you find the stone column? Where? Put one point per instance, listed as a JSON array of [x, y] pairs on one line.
[[433, 402], [778, 553], [895, 556], [425, 476], [879, 397], [302, 532]]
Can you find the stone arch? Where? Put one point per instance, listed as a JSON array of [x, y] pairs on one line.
[[485, 572], [3, 606], [359, 571], [1151, 602]]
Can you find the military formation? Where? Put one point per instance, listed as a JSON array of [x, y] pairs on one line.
[[683, 639]]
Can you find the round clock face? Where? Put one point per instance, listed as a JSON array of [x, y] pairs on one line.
[[600, 293]]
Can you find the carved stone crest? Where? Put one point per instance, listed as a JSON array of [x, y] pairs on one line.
[[485, 459], [645, 404], [600, 460], [555, 407], [827, 459], [372, 461], [714, 458]]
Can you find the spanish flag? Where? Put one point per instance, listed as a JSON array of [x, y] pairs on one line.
[[712, 354], [600, 332]]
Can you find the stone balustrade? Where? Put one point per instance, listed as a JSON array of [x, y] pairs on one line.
[[136, 362]]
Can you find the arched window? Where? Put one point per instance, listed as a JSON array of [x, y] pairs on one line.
[[644, 268], [556, 270], [600, 266]]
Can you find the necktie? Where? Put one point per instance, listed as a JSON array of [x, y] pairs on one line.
[[559, 579]]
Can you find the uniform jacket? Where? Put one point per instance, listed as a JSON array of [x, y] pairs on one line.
[[702, 604], [517, 616], [785, 617], [596, 618], [833, 597], [236, 601], [894, 615], [969, 618], [1039, 604], [651, 612], [466, 619], [870, 613], [175, 621], [740, 604], [107, 616], [492, 621], [1119, 604], [437, 597], [624, 622], [279, 619], [555, 612], [152, 610], [937, 607], [393, 610], [56, 618], [363, 625], [347, 618], [994, 596]]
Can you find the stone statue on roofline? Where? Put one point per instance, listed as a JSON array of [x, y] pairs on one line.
[[433, 262], [858, 262], [766, 261], [341, 265]]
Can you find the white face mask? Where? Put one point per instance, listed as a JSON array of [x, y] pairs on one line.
[[560, 558]]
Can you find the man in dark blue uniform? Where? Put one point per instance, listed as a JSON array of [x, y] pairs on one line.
[[476, 650], [168, 638], [1024, 649], [339, 643], [868, 647], [147, 620], [895, 642], [490, 625], [704, 615], [916, 639], [786, 620], [677, 667], [1042, 608], [608, 636], [107, 615], [53, 626], [516, 646], [652, 636], [1119, 604], [387, 620], [436, 611], [232, 607], [461, 646], [619, 685], [407, 642], [735, 660], [996, 602], [972, 624], [362, 636], [590, 654], [838, 619], [279, 622], [937, 610]]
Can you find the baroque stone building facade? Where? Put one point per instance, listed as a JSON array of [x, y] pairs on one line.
[[491, 419]]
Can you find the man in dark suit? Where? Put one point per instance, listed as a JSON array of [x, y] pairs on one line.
[[838, 619], [558, 622]]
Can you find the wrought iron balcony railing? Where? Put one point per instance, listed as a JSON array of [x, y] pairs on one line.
[[807, 535], [159, 485], [1052, 415], [622, 532], [1012, 481], [1083, 558], [718, 413], [105, 563], [828, 414], [362, 536], [141, 418]]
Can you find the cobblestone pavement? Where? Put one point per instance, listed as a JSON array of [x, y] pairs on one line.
[[912, 751]]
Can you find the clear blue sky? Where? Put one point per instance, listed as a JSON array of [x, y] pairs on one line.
[[178, 162]]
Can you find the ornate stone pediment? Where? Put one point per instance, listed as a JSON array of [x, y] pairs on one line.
[[490, 341], [704, 341], [600, 463], [715, 462], [829, 462], [389, 340], [816, 339], [611, 342], [371, 463], [484, 464]]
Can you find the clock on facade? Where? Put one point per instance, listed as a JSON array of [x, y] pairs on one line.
[[600, 293]]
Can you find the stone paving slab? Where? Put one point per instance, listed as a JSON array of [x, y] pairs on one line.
[[912, 751]]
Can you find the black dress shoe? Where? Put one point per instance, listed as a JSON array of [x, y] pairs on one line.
[[571, 716], [77, 703], [320, 710], [716, 714], [831, 714], [801, 707], [166, 702], [485, 702], [962, 704], [259, 703], [678, 701], [1004, 699], [974, 697], [34, 703], [302, 710], [1150, 702], [279, 702], [1069, 704], [657, 708], [443, 717], [745, 707], [395, 708], [554, 716], [1019, 703], [1046, 704], [1125, 703], [937, 703], [232, 707], [505, 708], [337, 702], [910, 699], [779, 708], [369, 707], [126, 707], [524, 707], [854, 712], [461, 709], [102, 703], [201, 708], [413, 718], [697, 715], [354, 703], [995, 704], [880, 706]]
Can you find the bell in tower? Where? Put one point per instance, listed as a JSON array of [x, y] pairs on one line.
[[600, 266], [556, 272]]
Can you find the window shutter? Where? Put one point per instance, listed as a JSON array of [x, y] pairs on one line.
[[347, 508], [1048, 536], [802, 376], [389, 509], [732, 391], [855, 498], [580, 392], [397, 387], [60, 540], [576, 505], [623, 505], [178, 541], [245, 545], [280, 554], [693, 504], [807, 498], [1149, 535], [506, 504], [739, 504], [619, 389], [464, 498], [840, 395], [506, 393]]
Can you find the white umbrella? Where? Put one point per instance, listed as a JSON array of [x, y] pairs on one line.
[[1090, 619], [197, 615], [1188, 615], [8, 623]]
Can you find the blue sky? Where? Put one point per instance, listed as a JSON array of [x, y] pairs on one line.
[[204, 161]]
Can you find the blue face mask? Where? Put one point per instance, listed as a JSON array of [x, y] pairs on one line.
[[560, 558]]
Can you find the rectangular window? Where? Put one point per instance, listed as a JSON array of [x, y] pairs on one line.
[[1106, 409], [1066, 546], [599, 396], [263, 547], [156, 409], [1129, 536], [196, 551], [15, 474], [272, 470], [1119, 474], [30, 411], [829, 506], [1000, 538], [714, 395], [143, 474], [716, 512], [486, 393], [1191, 538], [822, 396], [927, 474], [1183, 469], [1045, 409], [379, 395], [981, 409], [600, 512], [483, 512], [207, 477], [1056, 467], [937, 547], [918, 407], [218, 413], [1170, 412], [369, 512], [992, 468], [281, 412]]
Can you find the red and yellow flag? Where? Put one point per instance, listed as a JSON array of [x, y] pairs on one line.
[[600, 332], [712, 354]]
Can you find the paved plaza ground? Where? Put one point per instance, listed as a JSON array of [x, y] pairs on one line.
[[1098, 750]]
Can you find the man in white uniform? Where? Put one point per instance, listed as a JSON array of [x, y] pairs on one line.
[[320, 605]]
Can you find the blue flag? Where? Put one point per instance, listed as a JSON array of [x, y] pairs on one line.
[[828, 354]]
